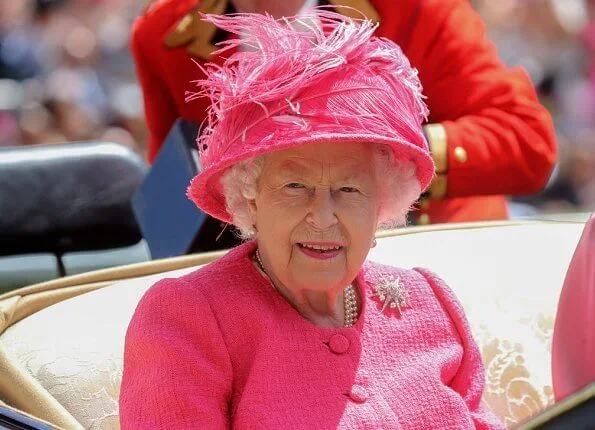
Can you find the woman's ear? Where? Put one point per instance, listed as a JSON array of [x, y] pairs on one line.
[[252, 209]]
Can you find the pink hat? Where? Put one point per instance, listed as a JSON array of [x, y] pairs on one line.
[[311, 79]]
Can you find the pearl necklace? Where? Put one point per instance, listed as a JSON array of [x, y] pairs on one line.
[[349, 297]]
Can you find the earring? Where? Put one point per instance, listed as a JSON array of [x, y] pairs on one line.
[[374, 243]]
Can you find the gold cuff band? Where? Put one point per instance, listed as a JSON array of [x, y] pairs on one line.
[[197, 34], [437, 140], [438, 187]]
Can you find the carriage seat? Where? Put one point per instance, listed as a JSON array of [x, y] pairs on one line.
[[61, 343], [66, 209]]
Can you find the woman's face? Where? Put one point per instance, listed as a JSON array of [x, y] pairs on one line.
[[316, 214]]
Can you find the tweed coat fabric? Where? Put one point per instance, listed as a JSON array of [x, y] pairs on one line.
[[220, 348]]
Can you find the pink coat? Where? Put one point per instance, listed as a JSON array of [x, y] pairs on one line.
[[220, 348], [573, 344]]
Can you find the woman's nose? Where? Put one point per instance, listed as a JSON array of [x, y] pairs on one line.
[[322, 213]]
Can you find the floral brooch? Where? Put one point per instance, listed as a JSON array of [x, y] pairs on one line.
[[392, 294]]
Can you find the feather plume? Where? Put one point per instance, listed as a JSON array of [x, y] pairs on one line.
[[306, 75]]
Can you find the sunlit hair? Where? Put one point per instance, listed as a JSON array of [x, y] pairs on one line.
[[398, 189]]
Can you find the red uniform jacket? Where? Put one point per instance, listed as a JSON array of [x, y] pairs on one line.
[[489, 134]]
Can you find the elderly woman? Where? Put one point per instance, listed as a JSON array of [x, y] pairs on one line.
[[314, 142]]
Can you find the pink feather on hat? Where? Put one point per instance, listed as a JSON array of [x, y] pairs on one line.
[[321, 77]]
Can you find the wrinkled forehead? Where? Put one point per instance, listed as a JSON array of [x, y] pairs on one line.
[[336, 160]]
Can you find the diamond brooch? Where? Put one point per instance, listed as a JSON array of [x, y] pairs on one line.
[[391, 292]]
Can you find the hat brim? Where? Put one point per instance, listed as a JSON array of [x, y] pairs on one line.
[[206, 190]]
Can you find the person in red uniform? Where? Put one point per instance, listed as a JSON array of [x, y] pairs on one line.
[[488, 133]]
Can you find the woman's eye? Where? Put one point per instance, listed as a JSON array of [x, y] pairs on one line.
[[349, 190]]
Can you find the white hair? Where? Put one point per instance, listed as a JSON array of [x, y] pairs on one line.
[[399, 189]]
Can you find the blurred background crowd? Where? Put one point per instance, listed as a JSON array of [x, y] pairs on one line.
[[66, 75]]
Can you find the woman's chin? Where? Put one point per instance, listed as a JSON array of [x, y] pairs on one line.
[[320, 281]]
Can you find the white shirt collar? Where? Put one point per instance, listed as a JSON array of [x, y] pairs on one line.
[[310, 4]]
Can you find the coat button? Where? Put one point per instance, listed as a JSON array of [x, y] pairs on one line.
[[339, 344], [460, 154], [359, 394], [424, 219]]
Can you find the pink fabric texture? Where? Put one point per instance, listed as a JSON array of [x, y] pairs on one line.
[[573, 344], [328, 81], [220, 348]]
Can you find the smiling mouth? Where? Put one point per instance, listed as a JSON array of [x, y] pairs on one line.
[[320, 249]]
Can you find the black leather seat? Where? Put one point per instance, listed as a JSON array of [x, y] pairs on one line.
[[69, 198]]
